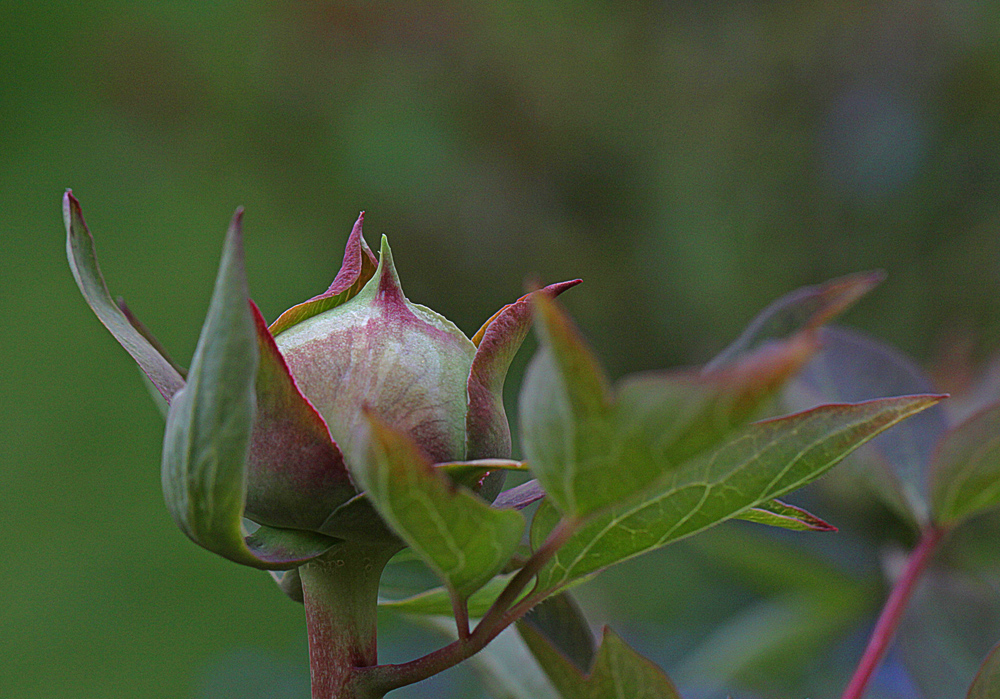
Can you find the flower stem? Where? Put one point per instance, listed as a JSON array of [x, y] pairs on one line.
[[892, 612], [340, 591]]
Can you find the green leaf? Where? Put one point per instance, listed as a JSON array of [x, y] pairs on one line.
[[208, 433], [965, 474], [803, 309], [759, 463], [618, 671], [592, 446], [568, 426], [986, 685], [775, 513], [464, 540], [563, 625], [83, 261], [358, 267], [852, 367]]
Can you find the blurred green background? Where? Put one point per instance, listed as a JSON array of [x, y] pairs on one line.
[[690, 160]]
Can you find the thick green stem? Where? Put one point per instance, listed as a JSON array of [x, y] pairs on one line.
[[340, 591]]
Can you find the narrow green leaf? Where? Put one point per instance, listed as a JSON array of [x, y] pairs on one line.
[[464, 540], [358, 267], [146, 333], [618, 672], [759, 463], [208, 432], [567, 421], [86, 271], [775, 513], [852, 367], [986, 685], [965, 474]]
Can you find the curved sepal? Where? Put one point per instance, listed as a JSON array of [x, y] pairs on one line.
[[358, 267], [464, 540], [295, 474], [208, 432], [487, 430], [86, 271]]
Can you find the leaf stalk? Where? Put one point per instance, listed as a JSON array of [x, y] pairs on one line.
[[892, 612]]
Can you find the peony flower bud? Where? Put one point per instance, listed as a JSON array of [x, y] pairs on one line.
[[361, 348]]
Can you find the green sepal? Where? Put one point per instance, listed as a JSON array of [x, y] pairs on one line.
[[618, 671], [497, 341], [289, 582], [208, 432], [83, 262], [295, 472], [775, 513], [459, 536]]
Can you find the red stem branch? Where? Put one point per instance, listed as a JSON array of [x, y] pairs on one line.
[[892, 612], [384, 678]]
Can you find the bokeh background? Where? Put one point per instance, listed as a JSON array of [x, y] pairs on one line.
[[690, 160]]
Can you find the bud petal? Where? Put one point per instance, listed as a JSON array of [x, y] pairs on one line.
[[405, 363]]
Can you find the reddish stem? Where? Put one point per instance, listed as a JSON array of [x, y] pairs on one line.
[[892, 612], [340, 591], [384, 678]]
